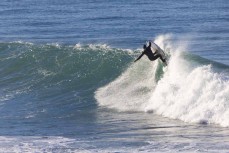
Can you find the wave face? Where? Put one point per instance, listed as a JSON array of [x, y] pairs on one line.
[[190, 88], [55, 79]]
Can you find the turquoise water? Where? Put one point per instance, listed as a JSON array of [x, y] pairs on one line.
[[68, 82]]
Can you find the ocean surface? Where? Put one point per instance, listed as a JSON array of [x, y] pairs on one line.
[[68, 82]]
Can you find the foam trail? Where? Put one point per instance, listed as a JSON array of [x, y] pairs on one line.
[[185, 89], [130, 90]]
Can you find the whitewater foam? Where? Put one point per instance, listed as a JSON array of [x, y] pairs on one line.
[[35, 144], [185, 90], [130, 90]]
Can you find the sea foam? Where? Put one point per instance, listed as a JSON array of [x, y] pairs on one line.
[[185, 90]]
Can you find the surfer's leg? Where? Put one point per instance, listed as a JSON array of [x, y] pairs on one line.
[[162, 59], [155, 57], [158, 56]]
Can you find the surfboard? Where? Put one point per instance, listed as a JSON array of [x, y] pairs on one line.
[[159, 51]]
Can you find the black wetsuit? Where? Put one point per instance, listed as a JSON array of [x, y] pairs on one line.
[[152, 56]]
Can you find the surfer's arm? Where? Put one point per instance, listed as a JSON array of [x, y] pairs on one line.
[[139, 57]]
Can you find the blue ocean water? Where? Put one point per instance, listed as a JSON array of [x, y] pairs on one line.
[[68, 82]]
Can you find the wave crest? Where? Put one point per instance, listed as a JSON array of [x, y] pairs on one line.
[[185, 90]]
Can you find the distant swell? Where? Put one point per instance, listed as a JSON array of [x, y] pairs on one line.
[[191, 89]]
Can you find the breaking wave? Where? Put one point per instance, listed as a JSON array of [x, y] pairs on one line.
[[44, 78], [190, 88]]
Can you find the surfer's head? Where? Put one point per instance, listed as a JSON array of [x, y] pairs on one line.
[[144, 46]]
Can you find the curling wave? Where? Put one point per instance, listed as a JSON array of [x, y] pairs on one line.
[[190, 88]]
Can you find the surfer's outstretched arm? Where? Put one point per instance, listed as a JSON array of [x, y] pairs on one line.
[[139, 57]]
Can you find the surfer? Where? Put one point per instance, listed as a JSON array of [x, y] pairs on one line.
[[152, 56]]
